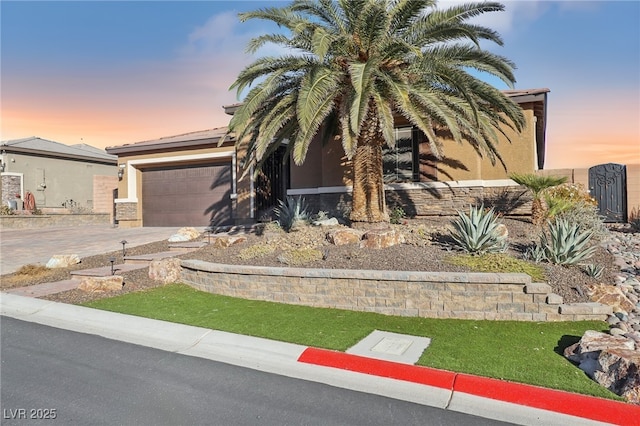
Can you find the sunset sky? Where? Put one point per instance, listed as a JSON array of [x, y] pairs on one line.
[[116, 72]]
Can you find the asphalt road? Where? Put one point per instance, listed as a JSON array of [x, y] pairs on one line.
[[90, 380]]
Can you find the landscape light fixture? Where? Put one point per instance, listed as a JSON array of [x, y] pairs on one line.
[[112, 260], [123, 242]]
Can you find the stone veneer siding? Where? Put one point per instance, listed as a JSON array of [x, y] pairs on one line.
[[126, 211], [426, 201], [476, 296]]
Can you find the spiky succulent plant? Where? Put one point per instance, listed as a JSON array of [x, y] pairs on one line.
[[478, 232]]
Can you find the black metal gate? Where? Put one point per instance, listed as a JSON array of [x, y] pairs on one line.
[[608, 185], [272, 182]]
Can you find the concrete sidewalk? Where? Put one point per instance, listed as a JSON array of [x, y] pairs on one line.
[[447, 390], [20, 247]]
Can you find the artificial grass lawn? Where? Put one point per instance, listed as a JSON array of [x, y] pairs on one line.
[[524, 352]]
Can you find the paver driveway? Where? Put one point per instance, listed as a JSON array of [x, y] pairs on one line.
[[24, 246]]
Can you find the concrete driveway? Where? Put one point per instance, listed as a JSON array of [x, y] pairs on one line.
[[20, 247]]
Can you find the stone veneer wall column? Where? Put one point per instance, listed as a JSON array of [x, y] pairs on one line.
[[126, 212], [477, 296]]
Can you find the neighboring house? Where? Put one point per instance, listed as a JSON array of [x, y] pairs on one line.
[[188, 180], [58, 175], [183, 180]]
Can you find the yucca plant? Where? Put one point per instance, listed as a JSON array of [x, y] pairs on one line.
[[291, 212], [477, 232], [537, 184], [565, 243]]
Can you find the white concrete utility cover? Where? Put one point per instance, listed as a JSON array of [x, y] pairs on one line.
[[389, 346], [392, 346]]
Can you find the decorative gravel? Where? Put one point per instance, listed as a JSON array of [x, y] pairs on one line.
[[426, 249]]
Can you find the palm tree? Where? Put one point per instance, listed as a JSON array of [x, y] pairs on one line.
[[537, 184], [353, 65]]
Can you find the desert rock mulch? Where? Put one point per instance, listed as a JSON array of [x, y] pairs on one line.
[[426, 249]]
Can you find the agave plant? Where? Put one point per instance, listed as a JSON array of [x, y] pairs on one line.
[[478, 231], [291, 212], [594, 271], [566, 243]]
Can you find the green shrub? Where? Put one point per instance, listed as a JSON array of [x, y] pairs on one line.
[[566, 243], [6, 211], [572, 192], [257, 250], [291, 212], [477, 232], [556, 206], [396, 215], [499, 262], [300, 256]]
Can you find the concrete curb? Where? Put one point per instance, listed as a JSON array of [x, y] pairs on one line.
[[490, 398]]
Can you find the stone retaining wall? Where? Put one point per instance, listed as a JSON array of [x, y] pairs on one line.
[[46, 221], [425, 294]]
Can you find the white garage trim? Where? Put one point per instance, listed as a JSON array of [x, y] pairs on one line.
[[133, 165]]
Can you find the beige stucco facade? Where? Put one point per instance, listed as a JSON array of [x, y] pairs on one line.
[[459, 178], [327, 166]]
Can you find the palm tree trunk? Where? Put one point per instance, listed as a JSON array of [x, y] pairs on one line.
[[368, 203], [538, 212]]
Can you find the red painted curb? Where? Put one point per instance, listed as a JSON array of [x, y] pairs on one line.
[[583, 406], [588, 407], [377, 367]]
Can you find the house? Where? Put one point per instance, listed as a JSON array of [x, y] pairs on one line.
[[188, 180], [181, 180], [424, 185], [59, 176]]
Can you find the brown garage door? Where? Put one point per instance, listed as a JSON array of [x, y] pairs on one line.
[[186, 195]]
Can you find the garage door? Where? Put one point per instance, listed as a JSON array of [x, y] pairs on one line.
[[187, 195]]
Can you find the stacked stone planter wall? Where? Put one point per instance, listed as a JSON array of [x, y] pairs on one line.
[[424, 294], [23, 221]]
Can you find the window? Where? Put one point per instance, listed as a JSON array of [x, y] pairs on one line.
[[399, 163]]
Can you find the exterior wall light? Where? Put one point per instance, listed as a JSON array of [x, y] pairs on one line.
[[121, 171]]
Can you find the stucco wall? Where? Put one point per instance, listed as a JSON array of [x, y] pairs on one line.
[[327, 166], [54, 180]]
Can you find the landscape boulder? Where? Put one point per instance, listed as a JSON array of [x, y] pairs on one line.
[[381, 238], [184, 234], [327, 222], [343, 236], [224, 241], [612, 361], [620, 373], [101, 284], [501, 231], [166, 270], [611, 295], [62, 261]]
